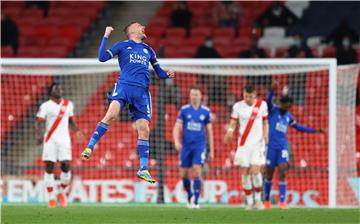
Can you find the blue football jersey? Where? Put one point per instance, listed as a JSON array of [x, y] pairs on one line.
[[278, 126], [194, 122], [134, 61]]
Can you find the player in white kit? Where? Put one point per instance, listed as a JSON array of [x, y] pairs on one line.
[[53, 120], [251, 115]]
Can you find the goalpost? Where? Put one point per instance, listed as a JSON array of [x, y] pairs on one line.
[[323, 166]]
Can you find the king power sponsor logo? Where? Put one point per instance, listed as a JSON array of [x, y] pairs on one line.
[[125, 191]]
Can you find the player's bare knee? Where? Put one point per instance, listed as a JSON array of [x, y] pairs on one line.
[[254, 170], [197, 171], [109, 119], [49, 167], [244, 171], [65, 166], [144, 131], [184, 173]]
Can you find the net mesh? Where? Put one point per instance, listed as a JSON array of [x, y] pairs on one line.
[[109, 176]]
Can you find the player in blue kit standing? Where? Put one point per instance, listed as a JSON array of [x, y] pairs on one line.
[[277, 154], [194, 122], [132, 88]]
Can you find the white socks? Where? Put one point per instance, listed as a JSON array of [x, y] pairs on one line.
[[257, 181], [258, 184], [65, 181], [49, 182], [246, 184]]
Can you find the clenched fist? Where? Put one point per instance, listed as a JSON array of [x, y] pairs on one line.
[[108, 31]]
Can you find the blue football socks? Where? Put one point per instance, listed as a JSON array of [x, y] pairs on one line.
[[187, 186], [267, 189], [197, 189], [143, 150], [282, 191], [100, 130]]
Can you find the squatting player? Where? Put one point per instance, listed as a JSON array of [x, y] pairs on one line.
[[277, 154], [194, 122], [131, 88], [53, 120], [251, 114]]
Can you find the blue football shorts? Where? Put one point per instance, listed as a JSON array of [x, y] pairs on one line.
[[138, 99]]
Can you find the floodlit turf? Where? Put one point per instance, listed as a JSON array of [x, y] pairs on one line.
[[102, 214]]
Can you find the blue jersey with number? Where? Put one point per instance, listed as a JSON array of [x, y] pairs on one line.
[[278, 126], [277, 152], [134, 61], [194, 122]]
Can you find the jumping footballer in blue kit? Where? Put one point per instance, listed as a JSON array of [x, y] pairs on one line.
[[277, 153], [194, 122], [132, 88]]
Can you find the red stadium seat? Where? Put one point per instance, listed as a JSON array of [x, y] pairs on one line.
[[81, 21], [201, 32], [6, 51], [33, 13], [199, 13], [358, 53], [281, 52], [242, 43], [62, 42], [173, 41], [227, 32], [29, 22], [58, 12], [227, 52], [245, 32], [188, 51], [160, 22], [194, 41], [32, 41], [28, 52], [164, 12], [54, 52], [175, 32], [12, 12], [172, 52], [155, 32], [70, 31], [329, 52], [45, 31], [222, 41]]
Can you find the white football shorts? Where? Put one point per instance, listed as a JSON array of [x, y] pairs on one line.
[[56, 150], [247, 156]]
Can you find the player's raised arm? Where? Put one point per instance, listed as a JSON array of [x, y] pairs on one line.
[[158, 70], [103, 54], [270, 96], [305, 129]]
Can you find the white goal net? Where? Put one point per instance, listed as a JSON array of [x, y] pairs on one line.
[[322, 166]]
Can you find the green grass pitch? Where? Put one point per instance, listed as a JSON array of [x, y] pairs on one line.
[[103, 214]]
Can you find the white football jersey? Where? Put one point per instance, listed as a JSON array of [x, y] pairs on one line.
[[48, 112], [242, 113]]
